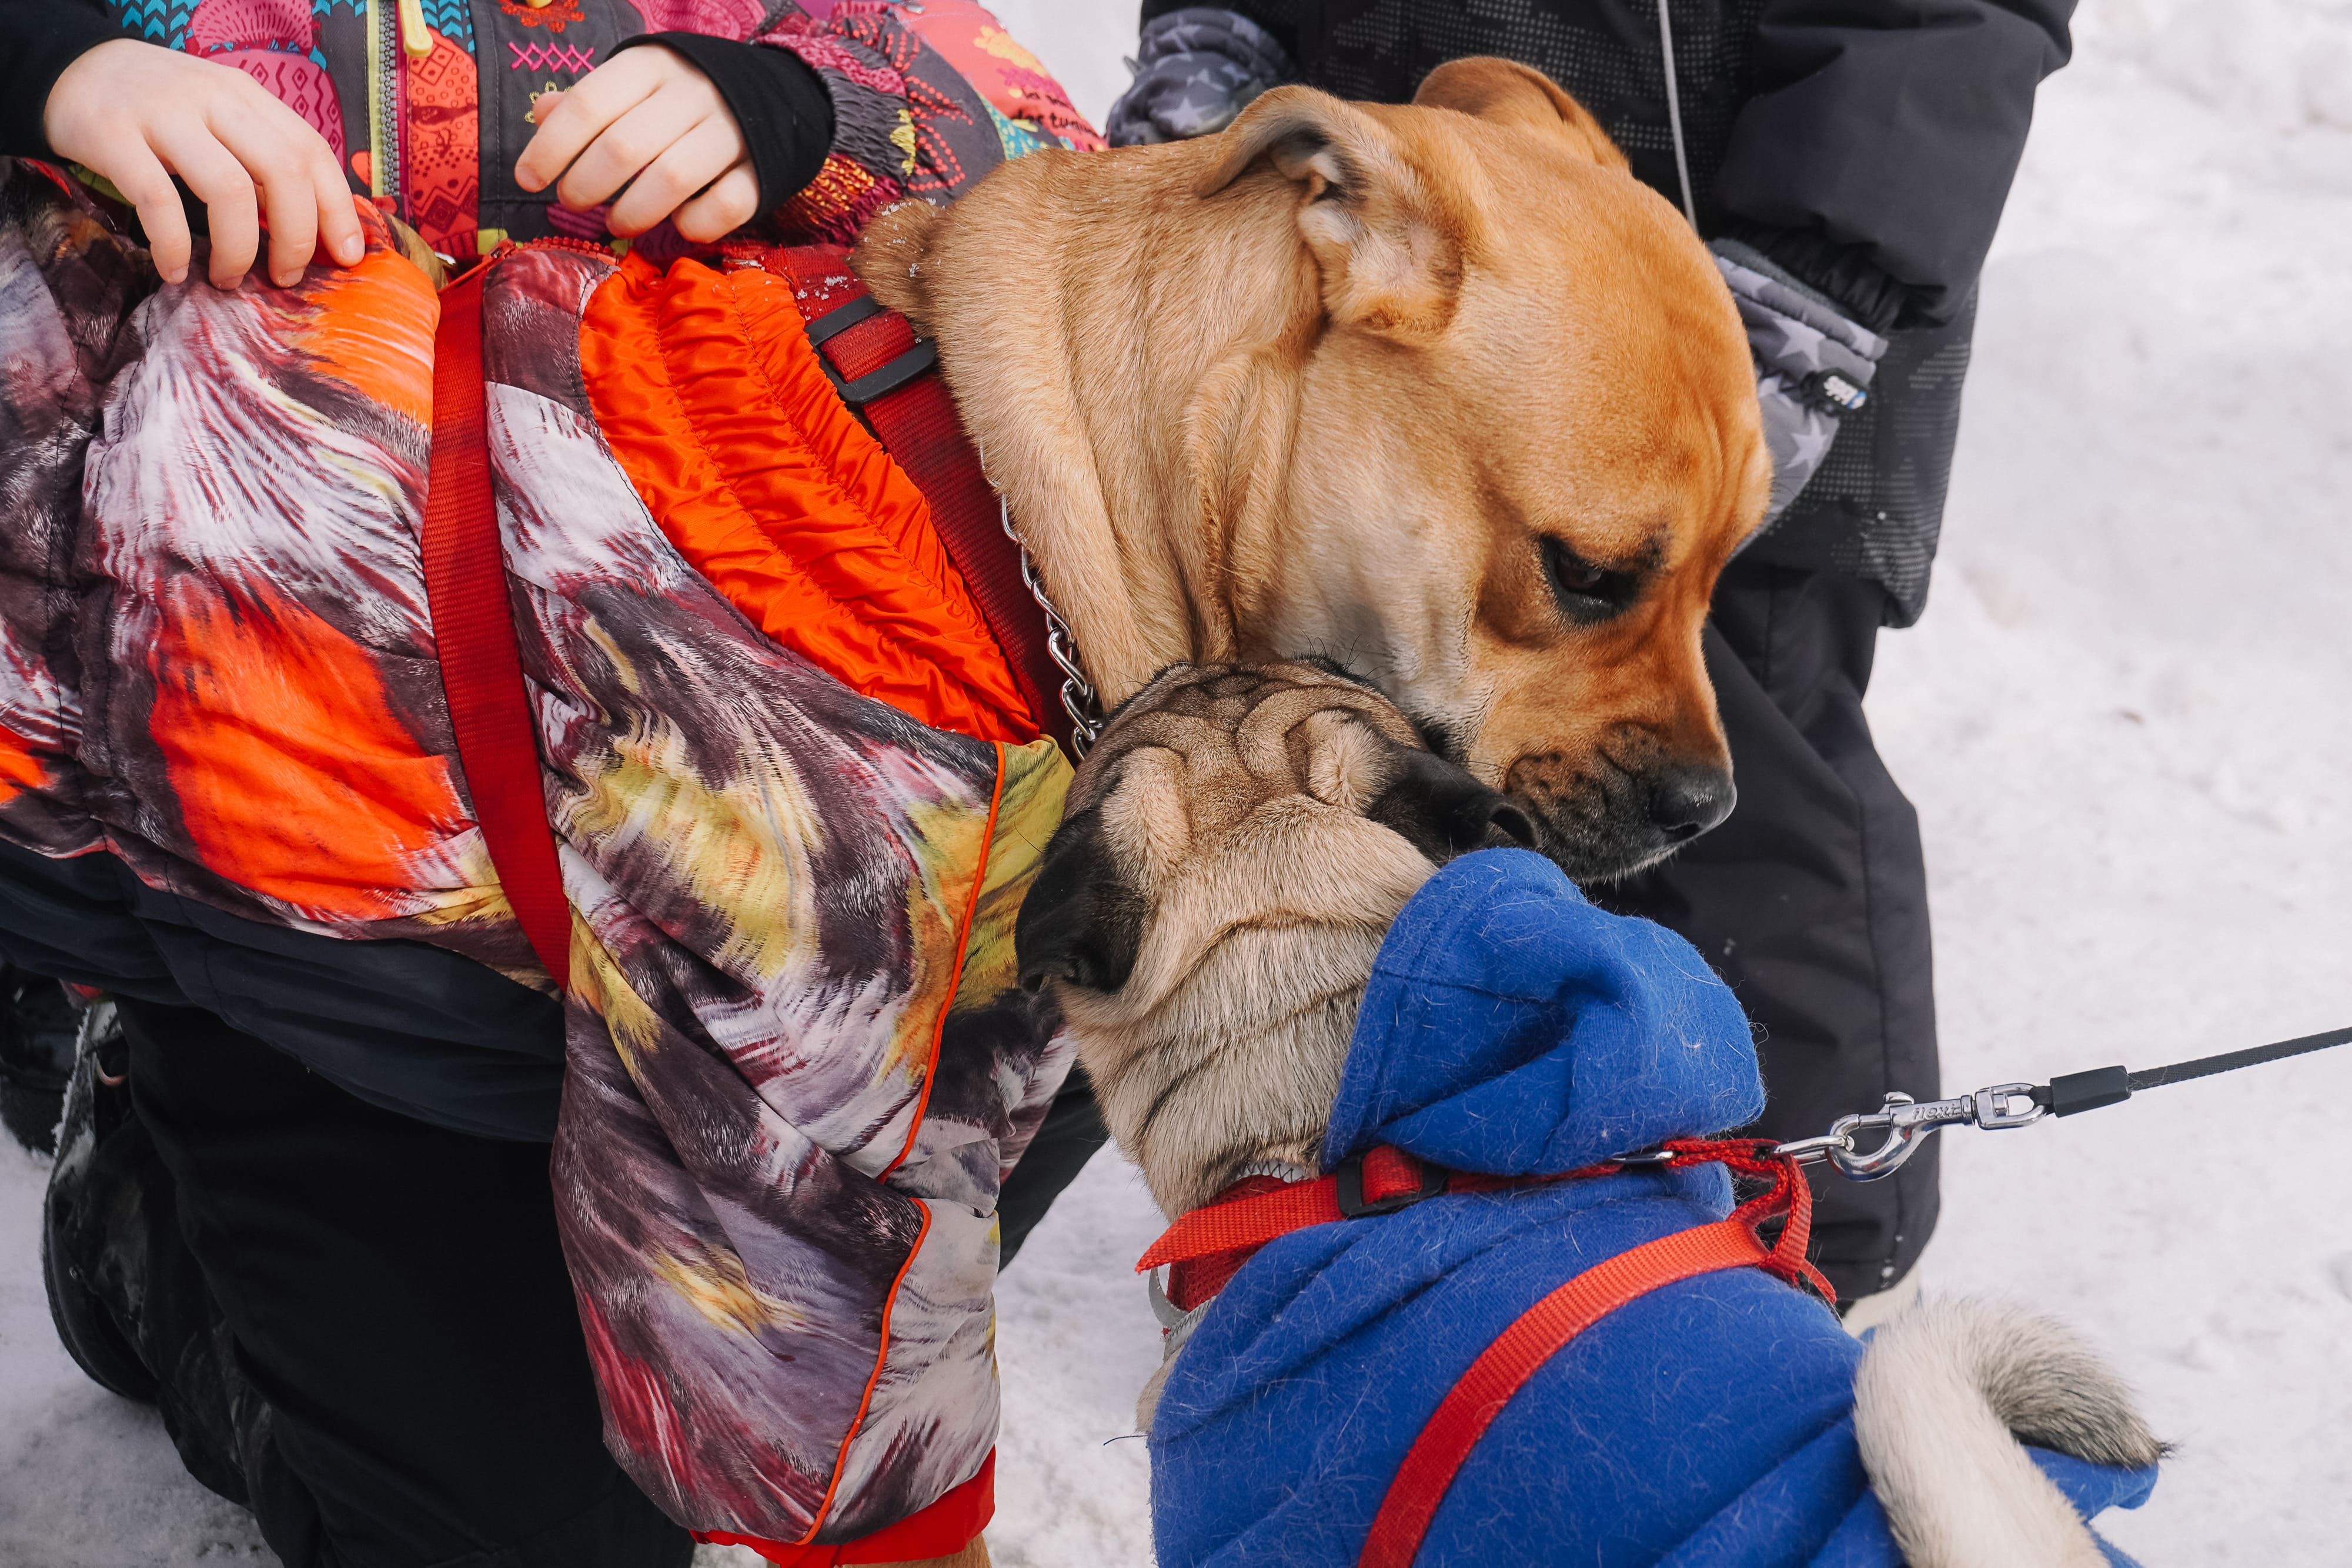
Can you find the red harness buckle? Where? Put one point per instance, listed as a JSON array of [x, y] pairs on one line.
[[1383, 1181]]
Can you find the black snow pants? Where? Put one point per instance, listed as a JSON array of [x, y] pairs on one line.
[[1811, 900], [392, 1327], [356, 1323]]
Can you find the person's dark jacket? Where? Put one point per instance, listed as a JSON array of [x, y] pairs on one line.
[[1866, 146]]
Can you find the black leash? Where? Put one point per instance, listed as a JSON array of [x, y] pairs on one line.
[[2005, 1106], [2110, 1085]]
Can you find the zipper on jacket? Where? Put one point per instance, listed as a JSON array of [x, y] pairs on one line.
[[383, 101]]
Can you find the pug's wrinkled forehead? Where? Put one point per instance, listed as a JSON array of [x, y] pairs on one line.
[[1241, 736], [1264, 725], [1235, 848]]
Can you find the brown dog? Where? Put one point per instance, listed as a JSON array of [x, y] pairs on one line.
[[1440, 390], [1233, 851]]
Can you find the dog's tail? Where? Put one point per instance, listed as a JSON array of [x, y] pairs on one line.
[[1948, 1394]]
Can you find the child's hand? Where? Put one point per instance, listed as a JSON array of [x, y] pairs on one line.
[[648, 120], [138, 113]]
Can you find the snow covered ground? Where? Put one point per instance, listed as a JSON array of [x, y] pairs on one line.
[[2127, 721]]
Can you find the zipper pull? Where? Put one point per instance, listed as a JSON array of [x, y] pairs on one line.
[[416, 38]]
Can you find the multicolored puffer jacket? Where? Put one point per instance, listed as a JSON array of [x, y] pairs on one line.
[[427, 103], [796, 789]]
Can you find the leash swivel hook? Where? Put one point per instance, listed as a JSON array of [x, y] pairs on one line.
[[1906, 1122]]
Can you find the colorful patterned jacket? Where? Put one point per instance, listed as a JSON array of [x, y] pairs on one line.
[[796, 793], [427, 103]]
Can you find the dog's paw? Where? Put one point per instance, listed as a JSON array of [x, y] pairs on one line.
[[889, 258]]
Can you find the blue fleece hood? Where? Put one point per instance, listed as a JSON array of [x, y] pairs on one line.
[[1509, 1027]]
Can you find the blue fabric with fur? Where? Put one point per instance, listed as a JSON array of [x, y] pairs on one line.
[[1510, 1027]]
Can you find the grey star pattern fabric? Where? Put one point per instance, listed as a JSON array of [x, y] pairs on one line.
[[1813, 365], [1194, 71]]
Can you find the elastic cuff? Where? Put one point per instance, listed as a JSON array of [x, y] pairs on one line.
[[776, 98], [49, 40], [942, 1529], [1843, 272]]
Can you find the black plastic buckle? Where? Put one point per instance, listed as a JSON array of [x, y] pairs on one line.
[[874, 383], [1349, 1181]]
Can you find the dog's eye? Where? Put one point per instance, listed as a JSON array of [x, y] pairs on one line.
[[1586, 593]]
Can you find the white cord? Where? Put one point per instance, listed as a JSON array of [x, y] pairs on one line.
[[1674, 108]]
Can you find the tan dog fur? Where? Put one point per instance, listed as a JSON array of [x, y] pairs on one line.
[[1325, 382], [1266, 824]]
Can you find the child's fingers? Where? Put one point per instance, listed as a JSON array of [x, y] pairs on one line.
[[691, 162], [322, 186], [732, 201], [626, 148], [147, 185], [274, 157], [581, 114], [339, 221], [221, 184]]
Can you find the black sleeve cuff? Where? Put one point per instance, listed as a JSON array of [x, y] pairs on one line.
[[1843, 272], [777, 99], [38, 40]]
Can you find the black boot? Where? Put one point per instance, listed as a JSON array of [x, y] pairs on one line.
[[38, 1025], [95, 1221], [125, 1293]]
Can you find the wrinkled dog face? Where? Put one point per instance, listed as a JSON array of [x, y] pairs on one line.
[[1236, 847]]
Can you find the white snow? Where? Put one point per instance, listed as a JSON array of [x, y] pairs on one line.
[[2127, 720]]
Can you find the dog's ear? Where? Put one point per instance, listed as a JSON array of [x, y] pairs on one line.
[[1509, 93], [1081, 922], [890, 255], [1389, 251], [1444, 812]]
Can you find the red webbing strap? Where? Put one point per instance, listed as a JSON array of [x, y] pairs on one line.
[[1207, 1247], [1251, 1220], [1505, 1366], [473, 630], [919, 426]]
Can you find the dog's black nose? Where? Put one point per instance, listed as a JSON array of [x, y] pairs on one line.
[[1687, 801]]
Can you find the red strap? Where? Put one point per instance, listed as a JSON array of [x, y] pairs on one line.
[[919, 426], [941, 1529], [1505, 1366], [1206, 1247], [1251, 1220], [473, 630]]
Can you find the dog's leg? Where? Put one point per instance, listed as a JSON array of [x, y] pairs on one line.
[[1944, 1398]]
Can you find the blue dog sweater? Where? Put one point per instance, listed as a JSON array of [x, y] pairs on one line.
[[1511, 1028]]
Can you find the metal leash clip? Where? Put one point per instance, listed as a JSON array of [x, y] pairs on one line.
[[1905, 1121]]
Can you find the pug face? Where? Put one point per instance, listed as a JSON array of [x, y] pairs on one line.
[[1236, 846]]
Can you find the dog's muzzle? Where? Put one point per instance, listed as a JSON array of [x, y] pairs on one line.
[[1602, 822]]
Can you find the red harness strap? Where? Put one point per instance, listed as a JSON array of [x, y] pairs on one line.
[[885, 372], [1501, 1370], [473, 630], [891, 377], [1207, 1247]]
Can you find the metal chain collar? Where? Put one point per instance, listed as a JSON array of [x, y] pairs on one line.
[[1079, 699]]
